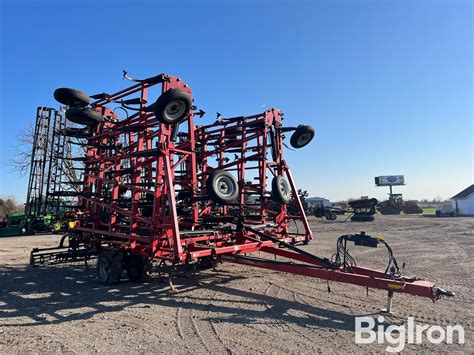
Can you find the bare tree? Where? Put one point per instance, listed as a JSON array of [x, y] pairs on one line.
[[22, 153], [21, 157]]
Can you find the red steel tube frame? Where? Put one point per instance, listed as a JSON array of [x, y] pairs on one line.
[[140, 161]]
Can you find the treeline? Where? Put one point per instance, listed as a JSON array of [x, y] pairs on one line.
[[9, 205]]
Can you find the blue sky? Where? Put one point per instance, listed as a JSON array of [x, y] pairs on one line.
[[388, 85]]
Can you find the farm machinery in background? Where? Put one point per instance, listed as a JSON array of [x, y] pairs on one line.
[[46, 208], [19, 223], [363, 210], [321, 207], [395, 203], [330, 213], [160, 192]]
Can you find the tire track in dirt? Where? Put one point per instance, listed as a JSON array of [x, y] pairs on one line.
[[277, 309], [250, 337], [270, 327], [215, 341], [329, 335], [331, 328], [336, 299], [199, 334], [264, 325], [191, 339]]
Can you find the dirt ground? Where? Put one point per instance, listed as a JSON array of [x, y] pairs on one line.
[[237, 309]]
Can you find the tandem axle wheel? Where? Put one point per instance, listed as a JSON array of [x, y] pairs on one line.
[[109, 267], [111, 264]]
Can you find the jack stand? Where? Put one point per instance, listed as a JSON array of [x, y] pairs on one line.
[[161, 265], [388, 310], [170, 279]]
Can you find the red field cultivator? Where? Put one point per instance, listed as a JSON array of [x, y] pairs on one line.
[[158, 187]]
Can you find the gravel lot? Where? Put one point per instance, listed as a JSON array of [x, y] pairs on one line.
[[237, 309]]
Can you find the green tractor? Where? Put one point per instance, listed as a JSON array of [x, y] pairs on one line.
[[14, 224], [20, 224]]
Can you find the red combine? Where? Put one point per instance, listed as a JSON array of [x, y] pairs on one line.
[[158, 187]]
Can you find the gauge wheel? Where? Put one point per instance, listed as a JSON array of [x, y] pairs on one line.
[[71, 97], [281, 191], [222, 187], [172, 106], [84, 115], [302, 136]]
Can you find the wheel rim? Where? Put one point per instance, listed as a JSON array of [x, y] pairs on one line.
[[283, 189], [225, 186], [175, 110], [304, 139]]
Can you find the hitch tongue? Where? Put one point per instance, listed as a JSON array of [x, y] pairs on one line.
[[443, 293]]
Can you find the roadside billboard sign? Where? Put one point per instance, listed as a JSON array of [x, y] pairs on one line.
[[388, 180]]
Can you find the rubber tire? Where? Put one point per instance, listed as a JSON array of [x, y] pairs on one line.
[[113, 261], [333, 216], [234, 131], [302, 136], [212, 188], [137, 268], [71, 97], [75, 132], [84, 115], [30, 229], [277, 194], [206, 262], [159, 107]]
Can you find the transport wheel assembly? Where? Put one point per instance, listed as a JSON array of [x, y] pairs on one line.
[[75, 132], [172, 106], [71, 97], [302, 136], [207, 262], [281, 191], [84, 115], [138, 268], [222, 187], [109, 267]]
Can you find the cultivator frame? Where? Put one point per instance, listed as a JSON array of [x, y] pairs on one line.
[[46, 170], [160, 190]]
